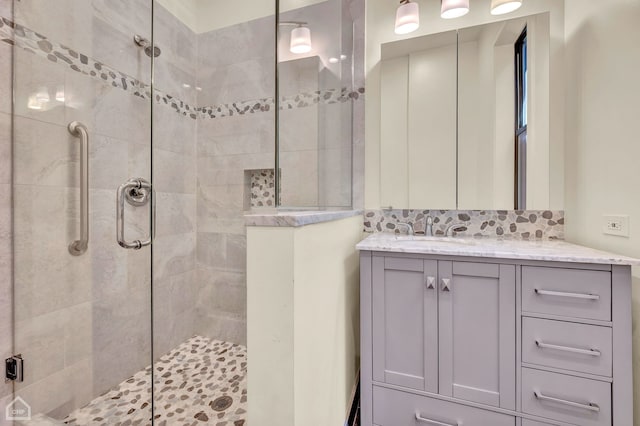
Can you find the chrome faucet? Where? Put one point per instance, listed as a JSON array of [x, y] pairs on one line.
[[409, 226], [428, 226], [454, 227]]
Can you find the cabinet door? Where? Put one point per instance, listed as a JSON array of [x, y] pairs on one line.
[[477, 332], [405, 322]]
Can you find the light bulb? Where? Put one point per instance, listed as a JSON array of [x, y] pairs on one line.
[[450, 9], [407, 18], [300, 40], [500, 7]]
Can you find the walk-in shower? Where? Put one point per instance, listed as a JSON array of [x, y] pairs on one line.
[[138, 134]]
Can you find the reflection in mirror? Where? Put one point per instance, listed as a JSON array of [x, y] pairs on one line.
[[465, 118], [503, 118]]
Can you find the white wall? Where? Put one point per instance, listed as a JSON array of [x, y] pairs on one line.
[[380, 24], [603, 150], [303, 322], [208, 15]]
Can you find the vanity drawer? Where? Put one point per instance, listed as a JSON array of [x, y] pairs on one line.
[[395, 408], [567, 345], [565, 398], [567, 292]]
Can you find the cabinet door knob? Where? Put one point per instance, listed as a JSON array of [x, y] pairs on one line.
[[446, 284], [431, 283]]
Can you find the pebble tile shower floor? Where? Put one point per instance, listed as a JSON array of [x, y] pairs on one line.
[[201, 382]]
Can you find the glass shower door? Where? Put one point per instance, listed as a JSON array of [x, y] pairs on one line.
[[81, 226]]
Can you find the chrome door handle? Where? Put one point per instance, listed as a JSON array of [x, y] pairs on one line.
[[565, 294], [591, 352], [446, 284], [431, 283], [434, 422], [80, 246], [590, 406], [137, 192]]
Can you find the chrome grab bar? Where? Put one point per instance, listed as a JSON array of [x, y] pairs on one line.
[[590, 406], [78, 247], [591, 352], [137, 192], [565, 294], [434, 422]]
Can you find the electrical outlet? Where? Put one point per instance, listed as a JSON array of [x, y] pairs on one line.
[[616, 225]]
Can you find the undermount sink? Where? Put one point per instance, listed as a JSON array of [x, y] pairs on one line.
[[446, 240]]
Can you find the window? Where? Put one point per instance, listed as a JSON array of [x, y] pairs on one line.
[[520, 196]]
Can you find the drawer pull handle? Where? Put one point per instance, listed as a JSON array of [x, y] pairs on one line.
[[434, 422], [592, 352], [590, 406], [565, 294]]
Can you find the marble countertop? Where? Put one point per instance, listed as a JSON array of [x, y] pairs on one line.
[[296, 218], [554, 250]]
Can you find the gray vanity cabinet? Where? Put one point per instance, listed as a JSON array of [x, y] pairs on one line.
[[453, 340], [477, 333], [445, 327], [405, 317]]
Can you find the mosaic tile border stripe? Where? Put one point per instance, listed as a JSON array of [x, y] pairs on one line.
[[39, 45], [511, 224]]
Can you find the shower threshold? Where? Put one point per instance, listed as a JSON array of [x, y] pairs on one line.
[[202, 381]]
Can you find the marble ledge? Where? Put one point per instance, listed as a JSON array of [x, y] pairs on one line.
[[543, 250], [284, 218]]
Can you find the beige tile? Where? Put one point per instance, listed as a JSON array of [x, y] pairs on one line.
[[174, 172], [175, 213], [36, 82], [299, 171], [219, 202], [212, 250], [120, 115], [221, 291], [240, 134], [44, 154], [223, 327], [47, 277], [4, 401], [66, 389], [299, 129], [6, 78], [5, 148], [40, 340], [173, 254], [173, 132]]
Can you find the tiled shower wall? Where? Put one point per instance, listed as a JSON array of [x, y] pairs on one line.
[[82, 323], [6, 321], [234, 64]]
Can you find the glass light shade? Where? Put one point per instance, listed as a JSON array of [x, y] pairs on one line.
[[500, 7], [300, 40], [407, 18], [450, 9]]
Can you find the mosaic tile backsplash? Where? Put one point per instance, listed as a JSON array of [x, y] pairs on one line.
[[262, 184], [39, 45], [512, 224]]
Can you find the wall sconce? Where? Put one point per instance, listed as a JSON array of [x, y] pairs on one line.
[[450, 9], [407, 17], [300, 37], [500, 7]]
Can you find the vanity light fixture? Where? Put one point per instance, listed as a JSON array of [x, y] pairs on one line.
[[450, 9], [500, 7], [300, 37], [407, 17]]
